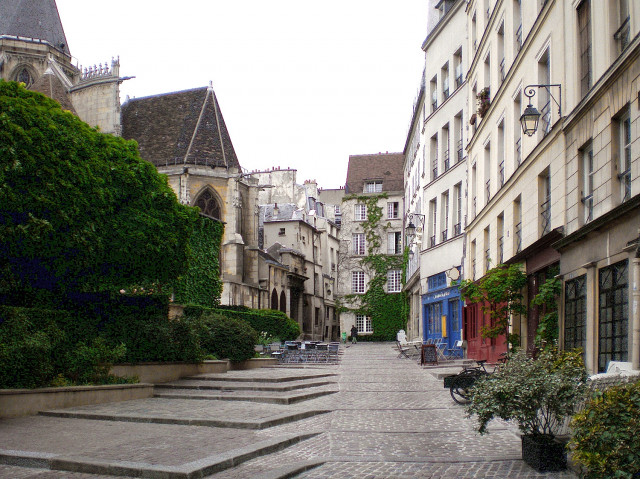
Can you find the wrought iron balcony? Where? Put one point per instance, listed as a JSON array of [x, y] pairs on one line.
[[545, 214], [457, 229], [500, 249], [444, 235], [432, 241], [460, 152], [502, 70], [588, 208], [501, 174], [518, 237], [519, 38], [518, 151], [488, 190], [446, 160]]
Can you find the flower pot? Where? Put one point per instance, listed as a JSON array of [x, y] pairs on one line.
[[544, 453]]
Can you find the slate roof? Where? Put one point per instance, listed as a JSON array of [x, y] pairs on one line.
[[387, 167], [51, 86], [183, 127], [33, 19]]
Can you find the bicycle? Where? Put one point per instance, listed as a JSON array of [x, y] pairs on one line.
[[465, 379], [462, 382]]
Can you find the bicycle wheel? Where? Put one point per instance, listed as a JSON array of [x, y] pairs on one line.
[[461, 384]]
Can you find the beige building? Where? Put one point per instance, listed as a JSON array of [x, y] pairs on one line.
[[369, 175], [563, 200], [34, 51]]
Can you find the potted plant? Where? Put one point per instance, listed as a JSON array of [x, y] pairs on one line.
[[484, 101], [536, 393]]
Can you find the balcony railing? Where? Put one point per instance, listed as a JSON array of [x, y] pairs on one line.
[[588, 208], [545, 119], [501, 174], [518, 237], [473, 269], [519, 38], [487, 259], [457, 229], [518, 151], [500, 249], [625, 181], [502, 70], [432, 241], [444, 235], [488, 190], [446, 160], [434, 168], [545, 215], [460, 152], [445, 88], [474, 206]]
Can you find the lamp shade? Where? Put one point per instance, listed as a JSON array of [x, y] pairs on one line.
[[411, 230], [529, 120]]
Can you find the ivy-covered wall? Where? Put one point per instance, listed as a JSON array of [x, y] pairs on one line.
[[388, 311], [202, 284]]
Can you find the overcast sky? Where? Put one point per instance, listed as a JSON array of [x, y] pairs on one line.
[[301, 84]]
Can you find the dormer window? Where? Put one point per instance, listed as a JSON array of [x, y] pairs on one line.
[[373, 186]]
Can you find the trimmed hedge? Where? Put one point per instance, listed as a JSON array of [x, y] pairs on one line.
[[274, 323], [229, 338]]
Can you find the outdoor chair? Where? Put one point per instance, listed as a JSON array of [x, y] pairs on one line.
[[456, 350], [333, 349], [402, 350]]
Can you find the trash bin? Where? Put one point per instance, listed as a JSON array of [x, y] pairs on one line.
[[344, 337]]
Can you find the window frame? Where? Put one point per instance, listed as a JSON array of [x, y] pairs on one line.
[[394, 281], [358, 283], [360, 212]]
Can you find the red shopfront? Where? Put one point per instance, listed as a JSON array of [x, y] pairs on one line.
[[477, 346]]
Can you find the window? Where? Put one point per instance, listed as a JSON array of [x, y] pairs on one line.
[[587, 182], [502, 72], [282, 232], [357, 282], [208, 204], [373, 186], [517, 225], [445, 81], [363, 323], [434, 157], [501, 154], [454, 312], [457, 209], [358, 243], [500, 237], [360, 212], [445, 216], [394, 243], [458, 132], [517, 22], [613, 314], [394, 281], [487, 171], [336, 210], [433, 85], [584, 45], [445, 144], [433, 223], [544, 78], [487, 249], [25, 77], [392, 210], [457, 64], [622, 34], [625, 156], [434, 312], [575, 313], [437, 281], [517, 130], [545, 202]]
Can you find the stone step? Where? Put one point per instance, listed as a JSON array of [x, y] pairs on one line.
[[232, 396], [210, 384], [232, 376]]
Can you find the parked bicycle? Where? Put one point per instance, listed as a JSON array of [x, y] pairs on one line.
[[461, 383]]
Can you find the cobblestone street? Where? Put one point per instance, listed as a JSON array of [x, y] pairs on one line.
[[372, 416]]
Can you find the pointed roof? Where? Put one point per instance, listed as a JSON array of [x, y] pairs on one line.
[[387, 167], [33, 19], [50, 85], [183, 127]]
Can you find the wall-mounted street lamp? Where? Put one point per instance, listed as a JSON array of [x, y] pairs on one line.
[[531, 116], [411, 229]]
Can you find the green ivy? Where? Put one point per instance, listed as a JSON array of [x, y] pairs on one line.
[[499, 294], [388, 311], [202, 284], [547, 299]]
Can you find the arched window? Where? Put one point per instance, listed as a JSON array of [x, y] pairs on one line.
[[25, 77], [274, 299], [283, 302], [208, 204]]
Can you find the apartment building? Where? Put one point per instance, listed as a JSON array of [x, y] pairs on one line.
[[376, 178], [562, 199]]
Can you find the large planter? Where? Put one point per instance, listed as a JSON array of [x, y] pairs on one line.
[[544, 453]]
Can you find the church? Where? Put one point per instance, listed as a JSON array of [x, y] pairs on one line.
[[182, 133]]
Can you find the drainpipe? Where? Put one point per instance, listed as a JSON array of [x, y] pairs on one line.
[[635, 315]]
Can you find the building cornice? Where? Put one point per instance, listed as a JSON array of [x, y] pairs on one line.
[[440, 25], [599, 223]]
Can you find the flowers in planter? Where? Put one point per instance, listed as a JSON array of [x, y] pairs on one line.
[[484, 101]]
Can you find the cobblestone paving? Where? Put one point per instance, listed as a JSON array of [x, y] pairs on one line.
[[393, 419]]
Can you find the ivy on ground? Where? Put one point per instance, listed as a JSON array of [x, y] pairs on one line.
[[388, 311]]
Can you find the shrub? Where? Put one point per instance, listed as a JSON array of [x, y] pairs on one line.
[[606, 434], [91, 363], [29, 342], [274, 323], [535, 393], [228, 338]]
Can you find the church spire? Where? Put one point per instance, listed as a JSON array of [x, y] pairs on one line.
[[33, 19]]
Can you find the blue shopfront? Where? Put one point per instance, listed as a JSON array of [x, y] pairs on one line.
[[442, 312]]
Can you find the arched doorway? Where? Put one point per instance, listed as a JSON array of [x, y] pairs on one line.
[[283, 302], [274, 299]]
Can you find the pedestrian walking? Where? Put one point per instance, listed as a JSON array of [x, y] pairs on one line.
[[354, 334]]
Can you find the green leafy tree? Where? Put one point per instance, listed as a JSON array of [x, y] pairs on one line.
[[499, 294], [547, 300], [80, 209]]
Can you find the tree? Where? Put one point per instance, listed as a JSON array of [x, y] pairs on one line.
[[80, 209], [499, 293]]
